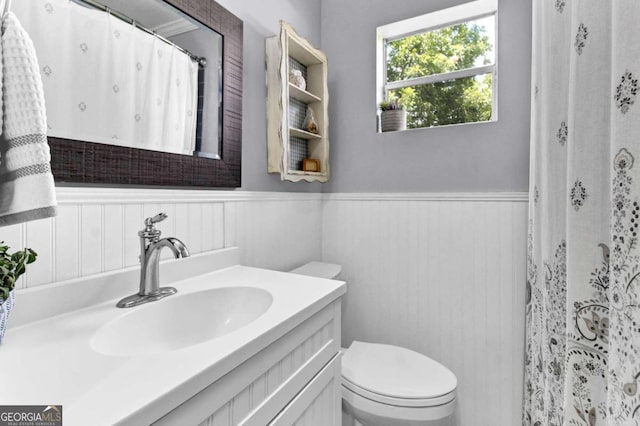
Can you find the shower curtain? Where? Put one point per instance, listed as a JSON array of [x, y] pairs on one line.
[[107, 81], [582, 357]]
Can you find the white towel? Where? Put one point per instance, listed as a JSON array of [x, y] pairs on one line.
[[27, 190]]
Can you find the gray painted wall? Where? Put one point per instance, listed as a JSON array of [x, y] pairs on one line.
[[261, 20], [463, 158]]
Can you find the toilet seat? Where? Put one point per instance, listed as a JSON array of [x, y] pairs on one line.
[[396, 376], [399, 402], [378, 413]]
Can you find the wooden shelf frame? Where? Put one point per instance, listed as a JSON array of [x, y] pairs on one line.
[[279, 91]]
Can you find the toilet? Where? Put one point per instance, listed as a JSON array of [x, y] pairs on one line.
[[386, 385]]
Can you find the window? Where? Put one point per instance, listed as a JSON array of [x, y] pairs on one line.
[[441, 67]]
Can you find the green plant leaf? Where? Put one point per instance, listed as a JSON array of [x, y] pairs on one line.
[[32, 256], [4, 293], [9, 283], [13, 265]]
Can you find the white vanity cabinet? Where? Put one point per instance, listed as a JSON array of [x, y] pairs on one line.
[[281, 368], [293, 380]]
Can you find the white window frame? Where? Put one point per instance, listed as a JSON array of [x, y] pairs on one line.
[[432, 21]]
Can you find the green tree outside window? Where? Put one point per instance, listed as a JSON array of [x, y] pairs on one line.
[[453, 48]]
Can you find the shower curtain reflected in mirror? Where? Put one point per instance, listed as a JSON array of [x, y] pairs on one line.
[[108, 81], [583, 310]]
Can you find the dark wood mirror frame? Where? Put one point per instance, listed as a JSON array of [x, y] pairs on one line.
[[87, 162]]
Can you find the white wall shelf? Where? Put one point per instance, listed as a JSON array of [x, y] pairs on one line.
[[300, 172], [302, 95], [287, 143], [299, 133]]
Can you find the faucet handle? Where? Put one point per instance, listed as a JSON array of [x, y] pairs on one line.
[[150, 230], [155, 219]]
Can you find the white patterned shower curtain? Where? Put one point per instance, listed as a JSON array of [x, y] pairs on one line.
[[583, 286], [107, 81]]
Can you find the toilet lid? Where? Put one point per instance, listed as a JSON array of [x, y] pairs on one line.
[[319, 269], [396, 372]]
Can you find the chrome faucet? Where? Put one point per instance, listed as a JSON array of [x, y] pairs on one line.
[[150, 247]]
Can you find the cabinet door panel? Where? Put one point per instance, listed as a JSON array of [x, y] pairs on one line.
[[318, 404], [257, 390]]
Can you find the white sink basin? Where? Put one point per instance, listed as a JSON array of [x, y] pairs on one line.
[[180, 321]]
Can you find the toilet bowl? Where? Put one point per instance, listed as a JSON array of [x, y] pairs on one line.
[[394, 386], [386, 385]]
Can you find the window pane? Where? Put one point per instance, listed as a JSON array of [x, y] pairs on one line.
[[464, 100], [443, 50]]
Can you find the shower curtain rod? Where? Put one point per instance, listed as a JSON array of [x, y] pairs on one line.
[[202, 61]]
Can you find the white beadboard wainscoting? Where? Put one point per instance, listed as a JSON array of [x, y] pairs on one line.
[[96, 229], [442, 274]]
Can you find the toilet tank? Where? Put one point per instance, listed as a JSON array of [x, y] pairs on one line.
[[319, 269]]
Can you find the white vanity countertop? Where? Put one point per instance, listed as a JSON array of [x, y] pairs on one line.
[[50, 361]]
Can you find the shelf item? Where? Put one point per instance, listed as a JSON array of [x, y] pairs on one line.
[[297, 79], [311, 165], [288, 144]]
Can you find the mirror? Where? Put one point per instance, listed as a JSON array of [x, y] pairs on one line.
[[128, 148], [199, 50]]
